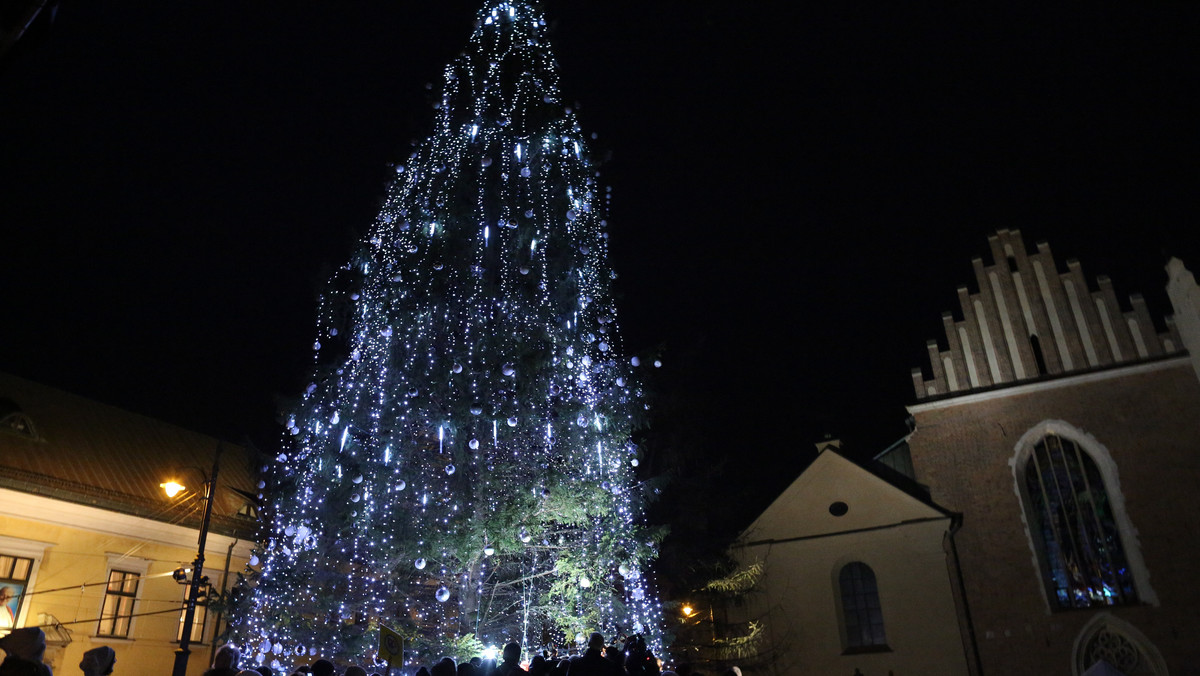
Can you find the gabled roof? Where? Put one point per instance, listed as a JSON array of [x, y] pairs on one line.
[[874, 497], [82, 451]]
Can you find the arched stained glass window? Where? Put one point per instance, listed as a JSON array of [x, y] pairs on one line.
[[861, 612], [1083, 560]]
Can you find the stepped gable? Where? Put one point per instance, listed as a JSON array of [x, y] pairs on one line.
[[1029, 321]]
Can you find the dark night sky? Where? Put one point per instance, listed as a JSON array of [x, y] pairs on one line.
[[798, 189]]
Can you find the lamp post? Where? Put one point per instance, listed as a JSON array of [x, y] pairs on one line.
[[189, 613]]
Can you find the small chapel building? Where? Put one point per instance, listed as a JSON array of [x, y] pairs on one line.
[[855, 573]]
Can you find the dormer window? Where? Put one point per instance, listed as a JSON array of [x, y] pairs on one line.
[[15, 421]]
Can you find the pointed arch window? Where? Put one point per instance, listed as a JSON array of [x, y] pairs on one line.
[[1076, 534], [862, 615]]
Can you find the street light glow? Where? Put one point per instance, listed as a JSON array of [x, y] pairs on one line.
[[688, 610], [172, 488]]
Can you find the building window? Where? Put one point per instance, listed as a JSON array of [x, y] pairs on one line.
[[861, 614], [119, 598], [14, 421], [14, 579], [1076, 535], [198, 619], [1120, 644]]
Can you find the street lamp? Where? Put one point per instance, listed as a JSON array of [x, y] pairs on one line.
[[172, 488]]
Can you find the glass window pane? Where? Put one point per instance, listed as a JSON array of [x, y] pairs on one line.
[[1080, 547], [860, 606], [119, 599]]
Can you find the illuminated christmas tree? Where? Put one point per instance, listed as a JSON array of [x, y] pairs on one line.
[[461, 463]]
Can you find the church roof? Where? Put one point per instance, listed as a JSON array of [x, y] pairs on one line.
[[837, 495], [67, 447]]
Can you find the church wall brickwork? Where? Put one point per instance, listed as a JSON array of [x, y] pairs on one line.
[[1145, 415]]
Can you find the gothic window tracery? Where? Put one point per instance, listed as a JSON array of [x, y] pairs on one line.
[[1084, 564]]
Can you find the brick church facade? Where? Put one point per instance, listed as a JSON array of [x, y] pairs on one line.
[[1066, 431]]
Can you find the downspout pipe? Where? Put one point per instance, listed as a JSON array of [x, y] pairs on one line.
[[212, 649], [971, 645]]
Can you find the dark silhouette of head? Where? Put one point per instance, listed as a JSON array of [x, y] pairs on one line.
[[227, 657], [98, 661], [512, 653], [613, 653]]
